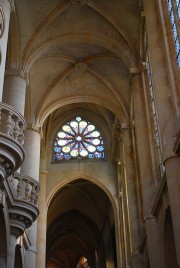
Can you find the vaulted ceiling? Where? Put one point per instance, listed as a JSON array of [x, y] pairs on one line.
[[74, 52]]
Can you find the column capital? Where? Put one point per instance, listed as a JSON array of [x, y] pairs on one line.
[[148, 217], [16, 73], [31, 126], [135, 70], [170, 157], [135, 253], [12, 5], [43, 171]]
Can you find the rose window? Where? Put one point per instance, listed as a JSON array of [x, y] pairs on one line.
[[78, 139]]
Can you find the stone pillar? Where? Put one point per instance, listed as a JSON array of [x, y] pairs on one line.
[[5, 10], [130, 188], [172, 166], [30, 167], [11, 250], [31, 164], [42, 219], [147, 180], [153, 243], [14, 92]]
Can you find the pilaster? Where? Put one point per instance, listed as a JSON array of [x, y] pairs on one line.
[[145, 164]]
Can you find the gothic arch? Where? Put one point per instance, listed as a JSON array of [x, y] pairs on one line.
[[46, 111], [64, 186]]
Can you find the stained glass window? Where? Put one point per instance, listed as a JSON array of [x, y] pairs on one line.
[[174, 13], [78, 139]]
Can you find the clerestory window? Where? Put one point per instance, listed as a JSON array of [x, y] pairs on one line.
[[78, 139], [174, 13]]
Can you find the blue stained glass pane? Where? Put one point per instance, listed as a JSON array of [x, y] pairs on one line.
[[100, 148], [67, 156], [174, 26], [78, 118], [98, 155], [59, 156], [57, 149], [91, 156]]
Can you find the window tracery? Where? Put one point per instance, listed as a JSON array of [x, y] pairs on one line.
[[78, 139], [153, 106], [174, 14]]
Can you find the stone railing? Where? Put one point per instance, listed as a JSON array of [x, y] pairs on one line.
[[22, 198], [12, 123], [24, 188], [12, 128]]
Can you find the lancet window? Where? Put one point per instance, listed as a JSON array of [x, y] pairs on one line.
[[78, 139]]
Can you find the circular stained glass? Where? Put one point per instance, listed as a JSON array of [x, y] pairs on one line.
[[78, 139]]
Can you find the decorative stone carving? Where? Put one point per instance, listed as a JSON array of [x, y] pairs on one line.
[[82, 67], [22, 202], [27, 188], [2, 21], [78, 3], [2, 199], [12, 127]]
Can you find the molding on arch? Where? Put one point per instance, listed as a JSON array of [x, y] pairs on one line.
[[112, 88], [58, 10], [122, 51], [46, 111], [100, 76], [99, 9], [49, 89], [105, 189]]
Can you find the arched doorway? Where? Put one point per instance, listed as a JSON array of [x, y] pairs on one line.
[[170, 252], [80, 224], [3, 241]]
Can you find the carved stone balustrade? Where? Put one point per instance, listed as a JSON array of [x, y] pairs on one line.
[[12, 127], [23, 199]]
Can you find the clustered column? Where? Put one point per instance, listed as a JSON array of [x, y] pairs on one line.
[[147, 179]]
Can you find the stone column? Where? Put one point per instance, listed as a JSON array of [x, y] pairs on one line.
[[147, 180], [11, 250], [41, 227], [5, 10], [166, 113], [131, 193], [172, 166], [14, 92], [30, 167]]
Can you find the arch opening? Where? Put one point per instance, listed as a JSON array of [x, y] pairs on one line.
[[80, 223]]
